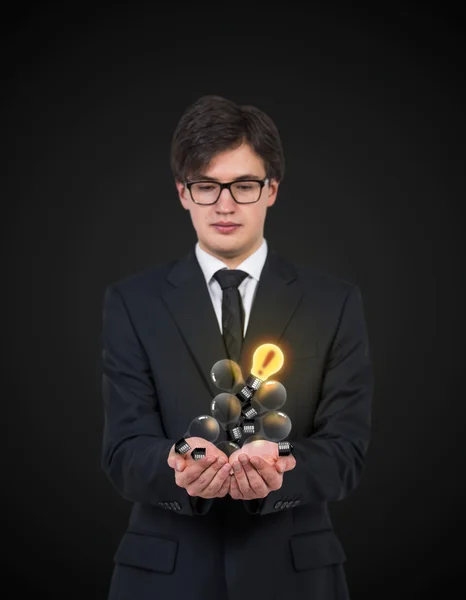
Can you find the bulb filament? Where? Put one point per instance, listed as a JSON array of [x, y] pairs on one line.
[[267, 359]]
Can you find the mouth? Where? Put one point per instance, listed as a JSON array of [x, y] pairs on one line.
[[226, 227]]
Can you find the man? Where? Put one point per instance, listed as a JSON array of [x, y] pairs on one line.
[[248, 523]]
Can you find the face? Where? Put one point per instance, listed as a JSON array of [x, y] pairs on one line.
[[233, 245]]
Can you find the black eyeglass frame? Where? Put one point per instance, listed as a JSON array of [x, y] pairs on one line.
[[227, 186]]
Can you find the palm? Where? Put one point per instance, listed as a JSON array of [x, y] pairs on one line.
[[263, 448]]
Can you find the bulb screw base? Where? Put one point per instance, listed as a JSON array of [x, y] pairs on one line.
[[248, 411], [182, 446], [248, 426], [245, 394], [198, 453], [253, 382], [234, 434], [285, 448]]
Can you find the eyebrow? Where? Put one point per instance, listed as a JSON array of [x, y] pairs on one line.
[[202, 177]]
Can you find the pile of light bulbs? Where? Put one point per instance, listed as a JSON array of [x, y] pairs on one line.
[[248, 410]]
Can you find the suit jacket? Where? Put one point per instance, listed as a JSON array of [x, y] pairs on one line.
[[160, 340]]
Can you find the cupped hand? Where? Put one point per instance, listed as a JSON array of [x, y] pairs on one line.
[[258, 470], [208, 477]]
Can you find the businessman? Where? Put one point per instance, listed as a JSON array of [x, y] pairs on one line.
[[248, 523]]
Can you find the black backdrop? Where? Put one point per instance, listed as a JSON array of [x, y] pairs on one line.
[[371, 112]]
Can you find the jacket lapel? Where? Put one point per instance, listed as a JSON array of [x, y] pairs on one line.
[[189, 302], [277, 296]]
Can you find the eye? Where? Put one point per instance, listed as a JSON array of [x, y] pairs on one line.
[[205, 187]]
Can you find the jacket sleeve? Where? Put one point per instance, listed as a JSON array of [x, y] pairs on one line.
[[330, 462], [135, 448]]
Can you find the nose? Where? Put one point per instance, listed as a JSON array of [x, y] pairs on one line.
[[225, 203]]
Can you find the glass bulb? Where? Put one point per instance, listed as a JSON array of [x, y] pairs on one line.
[[267, 360], [226, 375], [256, 438], [259, 446], [205, 427], [228, 447], [270, 396], [226, 409], [274, 425]]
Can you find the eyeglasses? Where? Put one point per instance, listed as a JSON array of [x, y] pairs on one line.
[[245, 191]]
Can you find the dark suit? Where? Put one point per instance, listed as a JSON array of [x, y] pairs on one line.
[[160, 340]]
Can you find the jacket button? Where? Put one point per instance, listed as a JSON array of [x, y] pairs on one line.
[[295, 503], [278, 505], [177, 506]]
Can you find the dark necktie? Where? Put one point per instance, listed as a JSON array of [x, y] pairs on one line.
[[232, 310]]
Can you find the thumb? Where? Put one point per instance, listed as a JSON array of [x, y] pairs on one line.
[[175, 461], [281, 465]]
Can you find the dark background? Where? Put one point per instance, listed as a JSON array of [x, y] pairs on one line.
[[371, 111]]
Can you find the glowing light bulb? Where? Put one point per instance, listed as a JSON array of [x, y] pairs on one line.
[[267, 360]]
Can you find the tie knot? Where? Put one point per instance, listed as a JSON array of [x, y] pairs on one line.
[[230, 278]]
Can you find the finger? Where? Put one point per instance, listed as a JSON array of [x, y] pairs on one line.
[[180, 464], [199, 485], [223, 491], [285, 463], [281, 465], [258, 486], [220, 480], [268, 473], [176, 462], [241, 478], [234, 489], [172, 457], [191, 472]]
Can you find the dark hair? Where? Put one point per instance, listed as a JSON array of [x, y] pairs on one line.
[[214, 124]]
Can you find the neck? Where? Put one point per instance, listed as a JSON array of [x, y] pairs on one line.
[[233, 260]]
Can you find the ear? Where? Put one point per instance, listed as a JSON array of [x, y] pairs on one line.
[[183, 195], [272, 191]]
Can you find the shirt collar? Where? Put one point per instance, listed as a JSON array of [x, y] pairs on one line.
[[252, 265]]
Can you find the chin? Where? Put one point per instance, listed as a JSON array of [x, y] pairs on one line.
[[227, 250]]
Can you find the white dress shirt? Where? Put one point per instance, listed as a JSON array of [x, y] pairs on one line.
[[252, 266]]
